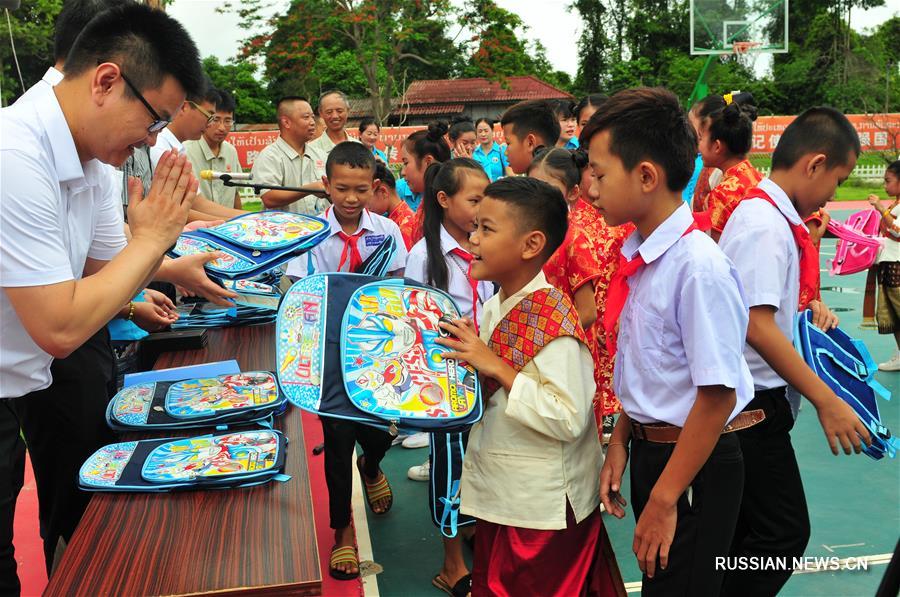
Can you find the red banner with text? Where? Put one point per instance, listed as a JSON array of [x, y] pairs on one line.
[[877, 132]]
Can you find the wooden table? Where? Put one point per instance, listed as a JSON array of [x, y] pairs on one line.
[[255, 540]]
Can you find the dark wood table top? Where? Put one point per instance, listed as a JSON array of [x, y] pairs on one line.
[[255, 540]]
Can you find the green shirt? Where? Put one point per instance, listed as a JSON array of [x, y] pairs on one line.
[[202, 158]]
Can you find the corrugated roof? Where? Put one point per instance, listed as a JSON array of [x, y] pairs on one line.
[[481, 90], [431, 109]]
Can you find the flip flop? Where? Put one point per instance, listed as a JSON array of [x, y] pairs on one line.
[[462, 588], [343, 555], [376, 491]]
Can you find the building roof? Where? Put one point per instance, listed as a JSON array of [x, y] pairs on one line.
[[480, 90]]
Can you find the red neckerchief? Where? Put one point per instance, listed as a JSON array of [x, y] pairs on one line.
[[809, 254], [618, 294]]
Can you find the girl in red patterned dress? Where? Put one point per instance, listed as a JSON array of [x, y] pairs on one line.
[[607, 241], [581, 267], [725, 136]]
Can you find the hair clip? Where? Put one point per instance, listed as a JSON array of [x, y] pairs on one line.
[[728, 97]]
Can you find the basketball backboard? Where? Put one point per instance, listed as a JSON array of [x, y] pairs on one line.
[[755, 25]]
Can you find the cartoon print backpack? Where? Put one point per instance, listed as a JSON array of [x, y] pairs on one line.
[[363, 348], [847, 367], [237, 459], [253, 243], [858, 242], [213, 401]]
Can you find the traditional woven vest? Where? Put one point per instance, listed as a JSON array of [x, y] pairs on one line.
[[538, 319]]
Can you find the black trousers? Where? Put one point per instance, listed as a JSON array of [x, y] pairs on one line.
[[63, 425], [340, 438], [12, 476], [705, 521], [774, 520]]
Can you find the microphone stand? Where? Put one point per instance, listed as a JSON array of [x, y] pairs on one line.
[[258, 187]]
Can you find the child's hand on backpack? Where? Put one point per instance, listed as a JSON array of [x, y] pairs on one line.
[[841, 424], [465, 345], [611, 479], [823, 318]]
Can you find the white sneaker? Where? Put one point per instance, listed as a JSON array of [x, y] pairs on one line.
[[421, 472], [399, 439], [892, 365], [417, 440]]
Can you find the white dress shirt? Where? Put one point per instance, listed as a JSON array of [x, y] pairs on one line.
[[684, 325], [458, 286], [165, 141], [326, 256], [536, 447], [55, 212], [758, 239]]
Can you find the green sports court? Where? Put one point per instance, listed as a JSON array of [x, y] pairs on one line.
[[852, 500]]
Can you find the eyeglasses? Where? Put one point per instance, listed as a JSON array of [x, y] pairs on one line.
[[209, 115], [159, 123], [216, 121]]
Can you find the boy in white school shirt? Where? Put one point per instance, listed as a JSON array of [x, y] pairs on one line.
[[679, 370], [779, 269], [64, 267], [355, 234], [355, 231], [531, 467]]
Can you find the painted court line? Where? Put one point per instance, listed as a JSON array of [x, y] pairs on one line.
[[831, 548], [363, 539], [846, 564]]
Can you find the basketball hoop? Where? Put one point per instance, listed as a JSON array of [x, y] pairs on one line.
[[739, 49], [742, 47]]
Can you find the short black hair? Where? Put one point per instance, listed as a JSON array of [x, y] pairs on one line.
[[384, 174], [209, 93], [488, 121], [730, 122], [72, 19], [818, 130], [146, 43], [225, 102], [647, 123], [540, 206], [281, 106], [352, 154], [594, 100], [894, 168], [564, 109], [534, 117], [460, 125], [366, 122]]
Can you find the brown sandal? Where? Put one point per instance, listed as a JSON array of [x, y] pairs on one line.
[[343, 555], [376, 491]]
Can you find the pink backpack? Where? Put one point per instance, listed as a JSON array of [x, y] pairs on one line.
[[858, 242]]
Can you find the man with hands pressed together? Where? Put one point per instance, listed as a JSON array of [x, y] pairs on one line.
[[65, 268]]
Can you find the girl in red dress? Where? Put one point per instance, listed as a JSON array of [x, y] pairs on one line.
[[725, 137]]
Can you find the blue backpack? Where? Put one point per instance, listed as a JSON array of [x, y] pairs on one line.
[[254, 243], [847, 367], [363, 348], [220, 401], [236, 459]]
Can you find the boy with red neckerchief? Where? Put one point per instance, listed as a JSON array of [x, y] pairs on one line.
[[675, 318], [779, 268]]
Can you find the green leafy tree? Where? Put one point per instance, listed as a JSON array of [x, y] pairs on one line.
[[361, 46], [32, 31], [593, 46], [254, 104]]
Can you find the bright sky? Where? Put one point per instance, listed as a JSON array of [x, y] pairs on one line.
[[548, 21]]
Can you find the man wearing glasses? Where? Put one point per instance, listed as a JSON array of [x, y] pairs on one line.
[[65, 268], [212, 152]]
